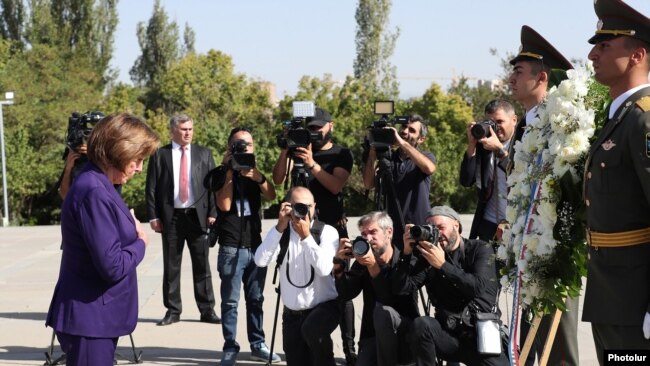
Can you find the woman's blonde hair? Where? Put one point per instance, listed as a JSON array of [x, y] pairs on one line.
[[119, 139]]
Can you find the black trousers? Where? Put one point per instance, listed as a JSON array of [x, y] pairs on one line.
[[306, 334], [429, 341], [185, 227], [617, 337]]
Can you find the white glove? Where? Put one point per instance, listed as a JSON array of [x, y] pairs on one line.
[[646, 326]]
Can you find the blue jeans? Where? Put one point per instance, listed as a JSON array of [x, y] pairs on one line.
[[236, 266]]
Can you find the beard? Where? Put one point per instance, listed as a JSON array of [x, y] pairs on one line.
[[317, 145], [379, 251], [451, 240]]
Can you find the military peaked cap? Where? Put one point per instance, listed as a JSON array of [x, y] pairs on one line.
[[535, 47], [616, 18]]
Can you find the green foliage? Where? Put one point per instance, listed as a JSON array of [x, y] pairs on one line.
[[375, 46], [447, 115]]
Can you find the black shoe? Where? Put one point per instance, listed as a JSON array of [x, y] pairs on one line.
[[169, 319], [351, 359], [210, 317]]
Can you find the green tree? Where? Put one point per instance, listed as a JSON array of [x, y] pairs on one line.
[[447, 115], [375, 45], [12, 20], [50, 84], [87, 27]]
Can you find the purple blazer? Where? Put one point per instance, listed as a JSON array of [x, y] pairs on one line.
[[96, 294]]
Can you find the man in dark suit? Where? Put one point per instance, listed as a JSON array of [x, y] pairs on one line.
[[617, 185], [180, 208], [484, 165], [537, 67]]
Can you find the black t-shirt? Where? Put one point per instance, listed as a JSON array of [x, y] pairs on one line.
[[329, 205], [234, 229]]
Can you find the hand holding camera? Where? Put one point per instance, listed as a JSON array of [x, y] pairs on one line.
[[301, 220], [284, 216]]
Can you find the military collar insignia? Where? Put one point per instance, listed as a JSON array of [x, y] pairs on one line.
[[608, 145]]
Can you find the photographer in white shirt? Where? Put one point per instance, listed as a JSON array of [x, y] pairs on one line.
[[307, 287]]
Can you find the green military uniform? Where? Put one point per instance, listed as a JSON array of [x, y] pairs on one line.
[[617, 197], [534, 48]]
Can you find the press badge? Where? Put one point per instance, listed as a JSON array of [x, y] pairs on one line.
[[247, 208]]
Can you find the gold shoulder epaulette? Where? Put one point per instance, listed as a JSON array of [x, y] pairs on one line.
[[644, 103]]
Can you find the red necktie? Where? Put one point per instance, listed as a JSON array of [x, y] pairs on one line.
[[184, 193]]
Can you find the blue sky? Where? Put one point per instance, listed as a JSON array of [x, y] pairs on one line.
[[280, 41]]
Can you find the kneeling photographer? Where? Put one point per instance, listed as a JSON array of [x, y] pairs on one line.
[[484, 165], [460, 278], [386, 317], [316, 162]]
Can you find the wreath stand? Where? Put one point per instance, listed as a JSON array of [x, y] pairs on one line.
[[530, 337]]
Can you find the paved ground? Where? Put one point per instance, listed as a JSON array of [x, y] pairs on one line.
[[29, 262]]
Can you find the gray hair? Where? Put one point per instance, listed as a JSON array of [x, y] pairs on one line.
[[381, 217], [423, 125], [178, 119]]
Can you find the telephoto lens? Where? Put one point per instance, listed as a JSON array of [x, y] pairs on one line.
[[360, 246], [300, 210]]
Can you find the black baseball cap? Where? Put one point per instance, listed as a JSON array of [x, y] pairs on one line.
[[320, 118]]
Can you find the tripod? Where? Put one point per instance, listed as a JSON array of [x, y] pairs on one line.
[[385, 193], [299, 177], [49, 354]]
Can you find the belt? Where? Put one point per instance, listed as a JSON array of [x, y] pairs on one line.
[[185, 211], [297, 312], [619, 239]]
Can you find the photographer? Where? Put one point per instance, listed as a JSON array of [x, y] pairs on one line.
[[411, 172], [307, 288], [79, 128], [460, 278], [484, 165], [329, 167], [386, 317], [74, 160], [238, 197]]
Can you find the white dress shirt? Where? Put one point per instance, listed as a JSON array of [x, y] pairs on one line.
[[302, 256], [176, 162]]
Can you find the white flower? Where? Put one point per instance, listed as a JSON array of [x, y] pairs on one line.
[[554, 141]]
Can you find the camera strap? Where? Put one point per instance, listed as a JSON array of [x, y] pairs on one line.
[[316, 230]]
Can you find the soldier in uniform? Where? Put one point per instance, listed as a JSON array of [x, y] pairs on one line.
[[536, 68], [617, 184]]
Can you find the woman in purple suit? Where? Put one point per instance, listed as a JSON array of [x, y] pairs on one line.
[[95, 300]]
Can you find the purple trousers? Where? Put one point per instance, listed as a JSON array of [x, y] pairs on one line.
[[87, 351]]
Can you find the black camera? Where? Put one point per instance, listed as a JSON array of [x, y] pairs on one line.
[[425, 232], [294, 133], [80, 126], [241, 160], [482, 129], [360, 246], [382, 138], [300, 210]]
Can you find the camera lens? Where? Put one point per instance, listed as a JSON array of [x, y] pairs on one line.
[[360, 246], [300, 210], [480, 130]]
